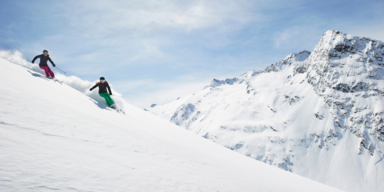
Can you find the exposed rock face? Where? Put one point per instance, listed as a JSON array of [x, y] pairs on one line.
[[347, 71], [318, 114]]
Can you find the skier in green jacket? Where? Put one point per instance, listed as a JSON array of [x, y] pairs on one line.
[[103, 86]]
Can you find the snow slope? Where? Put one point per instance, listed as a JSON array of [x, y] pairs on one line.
[[318, 114], [56, 138]]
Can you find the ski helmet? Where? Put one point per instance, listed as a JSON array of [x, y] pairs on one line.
[[45, 51], [102, 78]]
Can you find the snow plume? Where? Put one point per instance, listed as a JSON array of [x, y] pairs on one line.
[[83, 86]]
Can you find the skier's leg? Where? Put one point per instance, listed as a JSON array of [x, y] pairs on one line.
[[45, 70], [110, 100], [50, 72], [103, 96], [106, 97]]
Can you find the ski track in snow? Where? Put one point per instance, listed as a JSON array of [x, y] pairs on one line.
[[379, 160], [57, 138]]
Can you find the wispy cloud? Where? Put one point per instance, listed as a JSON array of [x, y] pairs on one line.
[[166, 94], [106, 16]]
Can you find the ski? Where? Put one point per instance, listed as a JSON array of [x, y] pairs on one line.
[[61, 82]]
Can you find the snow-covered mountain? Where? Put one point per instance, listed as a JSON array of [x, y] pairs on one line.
[[318, 114], [55, 137]]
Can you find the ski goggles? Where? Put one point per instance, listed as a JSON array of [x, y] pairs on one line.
[[102, 81]]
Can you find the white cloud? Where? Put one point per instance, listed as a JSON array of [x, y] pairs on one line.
[[166, 93], [302, 36], [105, 16], [150, 51]]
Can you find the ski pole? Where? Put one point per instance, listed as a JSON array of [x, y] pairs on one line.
[[56, 67], [60, 70]]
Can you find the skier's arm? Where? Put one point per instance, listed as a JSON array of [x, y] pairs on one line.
[[94, 87], [51, 62], [33, 61], [109, 89]]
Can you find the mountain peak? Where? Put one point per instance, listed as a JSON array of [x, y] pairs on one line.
[[341, 54], [293, 58], [301, 56], [336, 41], [313, 113]]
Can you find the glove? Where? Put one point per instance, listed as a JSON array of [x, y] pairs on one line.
[[90, 89], [110, 94], [54, 65]]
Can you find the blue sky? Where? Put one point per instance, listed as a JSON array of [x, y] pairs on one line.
[[156, 51]]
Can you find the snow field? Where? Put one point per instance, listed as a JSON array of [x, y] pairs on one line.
[[54, 137]]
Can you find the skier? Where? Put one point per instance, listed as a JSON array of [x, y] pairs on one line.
[[44, 58], [103, 85]]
